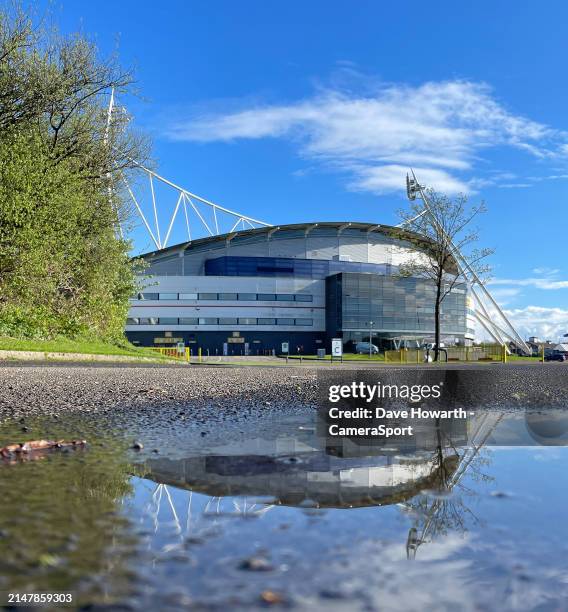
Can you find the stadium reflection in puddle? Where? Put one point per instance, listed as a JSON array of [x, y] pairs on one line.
[[274, 518], [442, 529]]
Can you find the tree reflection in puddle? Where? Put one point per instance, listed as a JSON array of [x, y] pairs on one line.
[[61, 523]]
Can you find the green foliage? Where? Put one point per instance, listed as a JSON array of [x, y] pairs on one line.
[[61, 517], [63, 270]]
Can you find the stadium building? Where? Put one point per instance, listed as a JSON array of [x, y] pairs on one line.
[[247, 292]]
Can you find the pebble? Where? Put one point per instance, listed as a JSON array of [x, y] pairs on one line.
[[256, 564], [272, 597]]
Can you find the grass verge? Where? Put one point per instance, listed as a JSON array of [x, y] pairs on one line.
[[85, 347]]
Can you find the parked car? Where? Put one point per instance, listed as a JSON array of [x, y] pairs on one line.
[[555, 356], [366, 347]]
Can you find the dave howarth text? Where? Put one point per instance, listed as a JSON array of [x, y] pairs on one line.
[[384, 413]]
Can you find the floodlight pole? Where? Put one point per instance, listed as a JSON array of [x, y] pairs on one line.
[[413, 186], [105, 140]]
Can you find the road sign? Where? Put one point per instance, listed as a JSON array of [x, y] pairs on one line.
[[285, 347], [336, 347]]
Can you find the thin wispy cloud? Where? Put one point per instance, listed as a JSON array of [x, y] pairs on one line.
[[439, 128], [537, 283], [545, 271], [506, 294], [546, 323]]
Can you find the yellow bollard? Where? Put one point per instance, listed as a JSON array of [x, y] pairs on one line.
[[187, 354], [199, 354], [401, 355]]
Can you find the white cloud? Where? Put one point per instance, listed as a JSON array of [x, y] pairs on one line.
[[505, 295], [387, 178], [546, 323], [537, 283], [438, 127], [545, 271]]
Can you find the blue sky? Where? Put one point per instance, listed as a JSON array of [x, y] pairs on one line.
[[303, 111]]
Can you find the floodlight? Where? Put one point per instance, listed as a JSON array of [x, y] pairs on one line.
[[410, 188]]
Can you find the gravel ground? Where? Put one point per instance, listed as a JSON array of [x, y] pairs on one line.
[[35, 390], [28, 391]]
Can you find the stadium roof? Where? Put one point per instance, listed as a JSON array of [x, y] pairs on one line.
[[388, 230]]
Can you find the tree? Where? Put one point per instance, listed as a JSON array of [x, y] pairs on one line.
[[443, 230], [63, 270]]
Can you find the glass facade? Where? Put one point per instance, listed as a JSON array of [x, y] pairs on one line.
[[242, 297], [217, 321], [289, 267], [390, 306]]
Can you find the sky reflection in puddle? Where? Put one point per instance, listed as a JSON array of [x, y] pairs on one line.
[[274, 518]]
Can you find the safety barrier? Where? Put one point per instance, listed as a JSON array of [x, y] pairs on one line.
[[454, 353], [179, 354], [416, 356]]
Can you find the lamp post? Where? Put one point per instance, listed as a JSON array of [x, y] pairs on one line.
[[370, 338]]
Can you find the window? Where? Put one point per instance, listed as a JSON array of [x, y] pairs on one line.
[[247, 297], [302, 297], [228, 296], [188, 296], [133, 321], [148, 320], [168, 296], [168, 321], [188, 321], [265, 321], [304, 321], [148, 296], [208, 321], [228, 321], [284, 321], [267, 297], [285, 297], [207, 296], [247, 321]]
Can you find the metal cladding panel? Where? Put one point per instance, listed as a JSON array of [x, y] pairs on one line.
[[194, 261], [353, 248], [254, 246], [322, 248], [248, 250], [357, 243], [259, 341], [168, 266], [237, 284], [295, 247], [380, 252], [193, 264], [404, 252]]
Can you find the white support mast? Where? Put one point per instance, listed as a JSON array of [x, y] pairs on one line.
[[502, 329], [212, 219]]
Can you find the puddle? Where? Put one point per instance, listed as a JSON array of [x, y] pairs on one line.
[[257, 514]]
